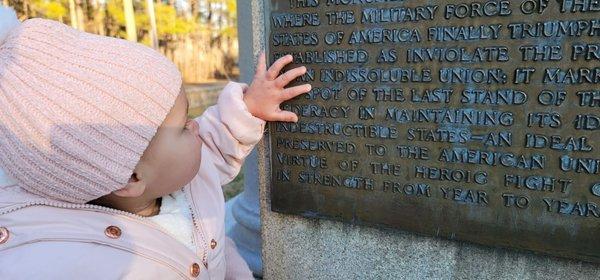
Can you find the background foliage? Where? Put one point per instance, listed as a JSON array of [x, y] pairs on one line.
[[200, 36]]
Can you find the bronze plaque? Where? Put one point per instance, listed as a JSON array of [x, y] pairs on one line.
[[468, 120]]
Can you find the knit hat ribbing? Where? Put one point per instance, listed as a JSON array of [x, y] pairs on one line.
[[77, 110]]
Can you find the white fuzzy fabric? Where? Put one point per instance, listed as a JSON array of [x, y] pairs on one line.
[[175, 218], [8, 22]]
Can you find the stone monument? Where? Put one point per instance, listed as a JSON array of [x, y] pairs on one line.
[[441, 140], [242, 218]]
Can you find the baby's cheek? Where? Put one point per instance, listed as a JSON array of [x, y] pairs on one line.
[[194, 142], [197, 151]]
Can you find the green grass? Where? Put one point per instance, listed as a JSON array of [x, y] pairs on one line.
[[235, 187]]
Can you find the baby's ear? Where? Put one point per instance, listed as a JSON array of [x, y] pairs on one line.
[[134, 188]]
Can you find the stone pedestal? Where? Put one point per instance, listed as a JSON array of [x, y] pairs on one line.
[[298, 248], [242, 218], [303, 248]]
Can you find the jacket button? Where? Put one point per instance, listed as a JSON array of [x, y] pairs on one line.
[[4, 235], [213, 244], [113, 232], [195, 270]]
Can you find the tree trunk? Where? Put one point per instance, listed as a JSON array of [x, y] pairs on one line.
[[99, 16], [73, 14], [26, 8], [220, 20], [209, 12], [195, 4], [130, 20], [80, 15], [152, 19]]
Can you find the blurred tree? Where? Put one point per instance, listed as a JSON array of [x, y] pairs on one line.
[[80, 16], [130, 20], [73, 13], [152, 20], [26, 8], [169, 25], [50, 9], [195, 6], [230, 28], [98, 16], [198, 35]]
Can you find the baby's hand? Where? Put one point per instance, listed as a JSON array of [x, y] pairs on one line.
[[267, 91]]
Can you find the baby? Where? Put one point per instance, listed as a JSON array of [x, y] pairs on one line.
[[112, 180]]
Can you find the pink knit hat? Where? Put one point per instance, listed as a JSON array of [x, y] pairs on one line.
[[77, 110]]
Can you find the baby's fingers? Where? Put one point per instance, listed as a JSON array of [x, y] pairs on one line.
[[285, 116], [289, 76], [278, 65], [261, 68], [292, 92]]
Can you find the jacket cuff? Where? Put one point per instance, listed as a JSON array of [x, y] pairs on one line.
[[234, 114]]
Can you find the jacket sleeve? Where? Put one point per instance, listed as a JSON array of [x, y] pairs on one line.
[[236, 267], [229, 131]]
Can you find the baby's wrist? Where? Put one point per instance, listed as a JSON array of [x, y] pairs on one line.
[[250, 105]]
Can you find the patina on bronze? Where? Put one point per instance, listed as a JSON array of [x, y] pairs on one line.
[[468, 120]]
